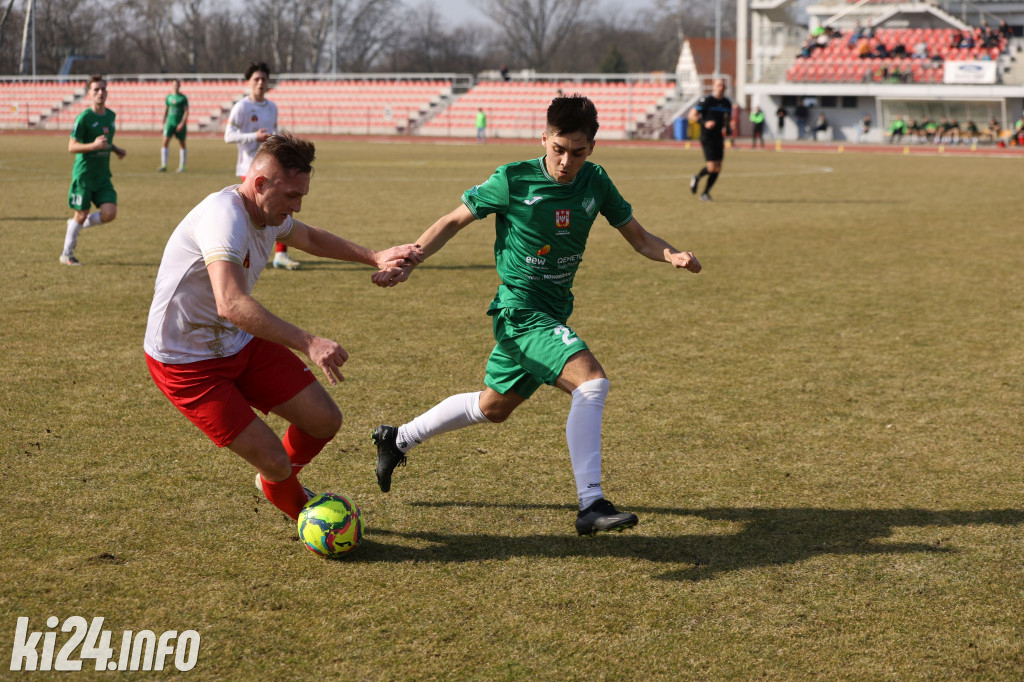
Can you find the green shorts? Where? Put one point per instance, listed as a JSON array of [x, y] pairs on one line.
[[531, 348], [82, 195], [171, 131]]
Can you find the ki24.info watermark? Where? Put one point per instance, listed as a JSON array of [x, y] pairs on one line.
[[142, 650]]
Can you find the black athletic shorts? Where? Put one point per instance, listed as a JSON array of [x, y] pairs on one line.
[[714, 147]]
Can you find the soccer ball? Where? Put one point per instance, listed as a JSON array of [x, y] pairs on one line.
[[330, 525]]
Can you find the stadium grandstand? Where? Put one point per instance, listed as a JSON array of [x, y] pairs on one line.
[[631, 105], [888, 59]]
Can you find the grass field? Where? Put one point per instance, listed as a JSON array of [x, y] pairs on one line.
[[821, 433]]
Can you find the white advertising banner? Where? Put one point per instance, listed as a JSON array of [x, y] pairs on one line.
[[980, 72]]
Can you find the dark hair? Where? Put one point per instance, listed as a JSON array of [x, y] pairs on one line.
[[293, 153], [573, 114], [96, 77], [257, 66]]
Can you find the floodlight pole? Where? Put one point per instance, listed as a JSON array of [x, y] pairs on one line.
[[718, 38]]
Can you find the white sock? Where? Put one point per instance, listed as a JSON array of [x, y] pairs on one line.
[[583, 432], [163, 157], [182, 153], [71, 238], [455, 412], [92, 219]]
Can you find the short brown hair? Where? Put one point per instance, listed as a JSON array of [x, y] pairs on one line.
[[294, 154]]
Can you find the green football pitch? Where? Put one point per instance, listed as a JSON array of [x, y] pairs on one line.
[[821, 433]]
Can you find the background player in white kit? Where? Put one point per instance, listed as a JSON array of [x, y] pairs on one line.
[[252, 120]]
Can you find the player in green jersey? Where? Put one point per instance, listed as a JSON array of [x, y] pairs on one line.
[[544, 211], [175, 120], [92, 140]]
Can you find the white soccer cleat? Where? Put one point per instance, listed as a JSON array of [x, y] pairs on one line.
[[285, 262]]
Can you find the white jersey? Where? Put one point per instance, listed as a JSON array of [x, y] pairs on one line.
[[246, 119], [183, 322]]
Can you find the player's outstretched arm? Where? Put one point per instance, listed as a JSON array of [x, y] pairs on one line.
[[656, 248], [446, 227], [393, 264]]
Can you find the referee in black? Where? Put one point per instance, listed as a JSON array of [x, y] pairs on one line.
[[714, 113]]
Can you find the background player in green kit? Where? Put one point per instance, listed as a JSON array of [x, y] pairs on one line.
[[175, 122], [544, 210], [92, 140]]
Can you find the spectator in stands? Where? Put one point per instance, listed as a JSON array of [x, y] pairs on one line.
[[855, 35], [1005, 32], [864, 49], [967, 41], [175, 122], [958, 38], [1018, 131], [864, 128], [807, 47], [504, 72], [714, 113], [971, 132], [881, 51], [920, 50], [92, 140], [989, 38], [780, 117], [820, 126], [949, 131], [897, 129], [994, 131], [757, 135], [914, 131], [481, 126], [929, 128], [800, 115], [252, 120], [899, 50]]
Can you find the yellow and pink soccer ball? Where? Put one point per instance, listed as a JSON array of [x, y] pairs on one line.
[[330, 525]]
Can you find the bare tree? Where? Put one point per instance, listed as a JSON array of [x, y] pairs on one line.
[[365, 29], [190, 31], [3, 20], [532, 28], [427, 45], [147, 35]]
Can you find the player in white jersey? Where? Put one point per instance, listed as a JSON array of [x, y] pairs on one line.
[[252, 120], [216, 353]]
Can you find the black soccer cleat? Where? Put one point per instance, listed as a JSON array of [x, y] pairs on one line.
[[694, 181], [388, 454], [603, 517]]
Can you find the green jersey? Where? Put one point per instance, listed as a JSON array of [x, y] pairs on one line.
[[176, 105], [93, 167], [541, 229]]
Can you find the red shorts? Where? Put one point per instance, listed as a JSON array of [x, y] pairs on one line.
[[218, 395]]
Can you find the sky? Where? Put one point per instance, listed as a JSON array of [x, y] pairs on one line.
[[457, 11]]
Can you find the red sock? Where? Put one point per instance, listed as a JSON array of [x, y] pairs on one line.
[[302, 447], [286, 495], [278, 247]]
